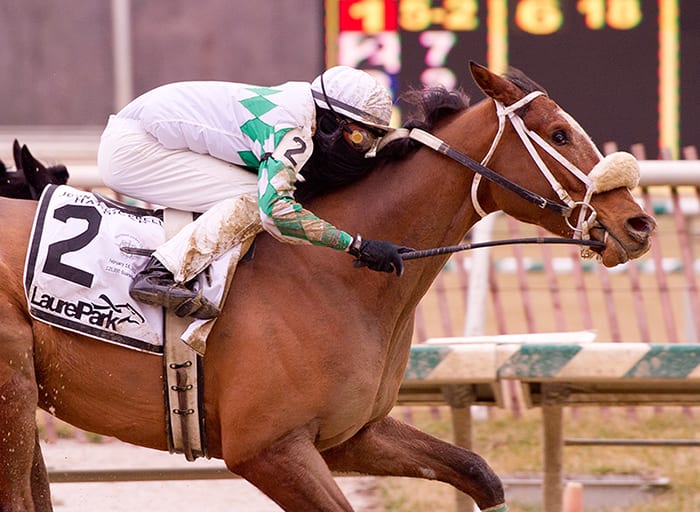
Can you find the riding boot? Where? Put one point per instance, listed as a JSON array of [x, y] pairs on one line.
[[156, 285]]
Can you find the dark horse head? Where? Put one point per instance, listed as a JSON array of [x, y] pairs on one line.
[[30, 177]]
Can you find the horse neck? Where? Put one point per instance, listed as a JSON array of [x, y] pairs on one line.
[[423, 201]]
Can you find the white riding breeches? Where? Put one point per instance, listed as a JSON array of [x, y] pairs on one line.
[[134, 163]]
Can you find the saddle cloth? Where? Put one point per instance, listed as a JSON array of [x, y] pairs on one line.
[[77, 276]]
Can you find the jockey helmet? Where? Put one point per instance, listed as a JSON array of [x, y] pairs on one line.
[[354, 94]]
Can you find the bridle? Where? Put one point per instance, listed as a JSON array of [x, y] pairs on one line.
[[596, 181], [527, 136]]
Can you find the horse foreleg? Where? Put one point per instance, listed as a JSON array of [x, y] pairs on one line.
[[391, 448], [294, 475], [19, 471], [41, 491]]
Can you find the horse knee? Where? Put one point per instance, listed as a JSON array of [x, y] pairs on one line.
[[291, 472]]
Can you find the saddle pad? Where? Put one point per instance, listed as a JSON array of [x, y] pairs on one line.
[[76, 275]]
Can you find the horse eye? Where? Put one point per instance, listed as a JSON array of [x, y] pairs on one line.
[[560, 138]]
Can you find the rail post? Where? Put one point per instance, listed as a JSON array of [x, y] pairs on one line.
[[552, 451], [460, 399]]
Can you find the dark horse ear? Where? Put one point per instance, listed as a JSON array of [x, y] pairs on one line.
[[34, 171], [17, 155], [38, 175], [495, 86]]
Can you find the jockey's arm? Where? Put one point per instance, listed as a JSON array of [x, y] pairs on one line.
[[282, 216]]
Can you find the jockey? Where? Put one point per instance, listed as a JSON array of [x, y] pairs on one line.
[[236, 153]]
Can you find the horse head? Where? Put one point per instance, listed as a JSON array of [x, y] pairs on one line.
[[535, 143], [36, 175], [13, 183]]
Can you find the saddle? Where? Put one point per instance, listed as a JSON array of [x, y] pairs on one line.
[[85, 250]]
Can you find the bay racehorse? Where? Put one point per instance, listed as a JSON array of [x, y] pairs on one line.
[[305, 363], [30, 176]]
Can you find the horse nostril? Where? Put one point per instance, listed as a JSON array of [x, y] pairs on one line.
[[642, 226]]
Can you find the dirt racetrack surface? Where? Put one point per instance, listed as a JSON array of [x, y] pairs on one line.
[[161, 496]]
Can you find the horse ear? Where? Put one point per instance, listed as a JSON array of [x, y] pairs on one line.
[[3, 169], [495, 86], [16, 154], [29, 162], [34, 171]]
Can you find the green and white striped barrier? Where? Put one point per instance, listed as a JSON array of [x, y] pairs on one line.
[[487, 362], [600, 361]]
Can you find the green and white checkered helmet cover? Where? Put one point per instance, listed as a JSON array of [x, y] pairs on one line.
[[355, 94]]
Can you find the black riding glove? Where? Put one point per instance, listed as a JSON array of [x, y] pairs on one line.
[[378, 255]]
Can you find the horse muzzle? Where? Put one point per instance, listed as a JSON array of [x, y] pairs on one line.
[[632, 242]]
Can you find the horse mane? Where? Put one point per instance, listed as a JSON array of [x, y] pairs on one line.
[[522, 81], [425, 108]]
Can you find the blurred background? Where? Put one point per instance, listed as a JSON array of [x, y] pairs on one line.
[[626, 69], [72, 62]]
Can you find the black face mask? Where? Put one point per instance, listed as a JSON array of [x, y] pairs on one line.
[[334, 161], [329, 128], [333, 148]]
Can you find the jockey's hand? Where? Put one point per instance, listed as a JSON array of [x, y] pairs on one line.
[[378, 255]]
